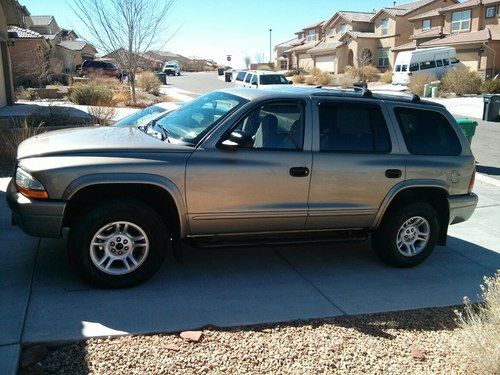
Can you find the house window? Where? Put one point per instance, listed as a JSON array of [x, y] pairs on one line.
[[284, 65], [383, 56], [460, 21], [385, 26], [426, 25], [490, 12], [330, 32], [343, 28], [311, 35]]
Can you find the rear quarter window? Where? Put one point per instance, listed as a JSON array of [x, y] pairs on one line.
[[248, 78], [427, 132], [240, 76]]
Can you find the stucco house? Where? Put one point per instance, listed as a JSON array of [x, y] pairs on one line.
[[8, 16], [471, 27], [307, 38]]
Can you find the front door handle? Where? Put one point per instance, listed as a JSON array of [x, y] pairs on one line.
[[393, 173], [299, 171]]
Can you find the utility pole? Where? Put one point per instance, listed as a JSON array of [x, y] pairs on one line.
[[270, 46]]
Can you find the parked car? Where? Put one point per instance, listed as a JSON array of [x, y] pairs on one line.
[[260, 79], [146, 115], [245, 165], [436, 61], [172, 68], [100, 67]]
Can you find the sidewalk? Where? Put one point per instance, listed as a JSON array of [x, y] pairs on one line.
[[47, 302]]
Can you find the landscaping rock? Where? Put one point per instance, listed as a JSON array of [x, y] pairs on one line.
[[193, 336]]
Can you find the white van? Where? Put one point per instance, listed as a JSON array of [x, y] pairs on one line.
[[434, 61]]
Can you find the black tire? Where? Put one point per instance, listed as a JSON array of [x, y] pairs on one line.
[[90, 222], [384, 240]]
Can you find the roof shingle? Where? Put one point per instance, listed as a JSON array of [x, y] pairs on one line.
[[24, 33], [41, 20], [326, 46], [460, 38]]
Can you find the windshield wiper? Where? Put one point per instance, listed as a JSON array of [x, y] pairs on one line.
[[164, 130]]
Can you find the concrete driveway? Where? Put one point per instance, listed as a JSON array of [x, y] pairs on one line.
[[43, 301]]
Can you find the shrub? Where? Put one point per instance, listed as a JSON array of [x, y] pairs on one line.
[[299, 78], [310, 80], [491, 86], [343, 80], [351, 71], [418, 81], [315, 71], [462, 81], [324, 79], [102, 115], [149, 83], [481, 327], [386, 77], [368, 73], [91, 94]]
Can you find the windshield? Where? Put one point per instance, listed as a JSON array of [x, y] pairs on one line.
[[141, 117], [191, 122], [273, 79]]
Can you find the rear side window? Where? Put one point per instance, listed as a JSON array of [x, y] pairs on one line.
[[427, 132], [413, 67], [240, 76], [254, 80], [404, 67], [446, 62], [439, 63], [352, 128], [427, 65], [248, 78]]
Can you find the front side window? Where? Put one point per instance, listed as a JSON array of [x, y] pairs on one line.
[[311, 35], [383, 56], [490, 12], [248, 78], [273, 79], [427, 65], [353, 128], [191, 122], [385, 26], [460, 21], [277, 126], [426, 25], [427, 132]]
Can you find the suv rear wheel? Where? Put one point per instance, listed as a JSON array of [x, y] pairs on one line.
[[407, 235], [117, 245]]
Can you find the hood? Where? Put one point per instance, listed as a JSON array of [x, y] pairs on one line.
[[93, 140]]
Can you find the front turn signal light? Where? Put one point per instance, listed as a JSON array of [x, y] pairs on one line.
[[29, 186]]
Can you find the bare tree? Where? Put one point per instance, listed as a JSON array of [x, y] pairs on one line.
[[364, 57], [247, 60], [126, 28]]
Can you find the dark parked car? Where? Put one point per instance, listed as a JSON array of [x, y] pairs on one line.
[[100, 67]]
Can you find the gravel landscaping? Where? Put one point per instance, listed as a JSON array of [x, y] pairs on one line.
[[419, 342]]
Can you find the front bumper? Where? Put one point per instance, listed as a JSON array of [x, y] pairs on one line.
[[40, 218], [462, 207]]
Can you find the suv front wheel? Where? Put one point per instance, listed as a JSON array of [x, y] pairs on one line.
[[407, 235], [118, 245]]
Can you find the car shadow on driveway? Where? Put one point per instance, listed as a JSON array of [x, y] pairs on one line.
[[246, 286]]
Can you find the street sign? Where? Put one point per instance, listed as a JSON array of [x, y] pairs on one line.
[[228, 57]]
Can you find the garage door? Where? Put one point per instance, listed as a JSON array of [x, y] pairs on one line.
[[305, 61], [326, 63]]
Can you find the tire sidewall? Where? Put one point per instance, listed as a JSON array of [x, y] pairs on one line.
[[85, 229], [387, 238]]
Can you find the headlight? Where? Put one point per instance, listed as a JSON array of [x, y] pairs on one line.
[[29, 185]]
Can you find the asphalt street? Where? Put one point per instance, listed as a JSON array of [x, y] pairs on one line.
[[198, 83]]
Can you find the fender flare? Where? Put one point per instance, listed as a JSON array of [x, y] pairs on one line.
[[132, 178]]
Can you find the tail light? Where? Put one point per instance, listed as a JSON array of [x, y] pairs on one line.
[[472, 180]]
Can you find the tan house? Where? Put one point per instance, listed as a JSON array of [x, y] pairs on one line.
[[471, 27], [8, 16], [307, 38]]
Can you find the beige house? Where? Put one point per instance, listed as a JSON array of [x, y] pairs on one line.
[[307, 38], [360, 38], [471, 27], [8, 16]]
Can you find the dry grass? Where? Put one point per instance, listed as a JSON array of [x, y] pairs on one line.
[[491, 86], [481, 327], [101, 115], [315, 72], [324, 79], [310, 80], [343, 80], [386, 77], [418, 81], [91, 93], [462, 81], [149, 83], [299, 78], [368, 73]]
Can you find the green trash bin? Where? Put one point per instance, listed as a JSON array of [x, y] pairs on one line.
[[468, 126]]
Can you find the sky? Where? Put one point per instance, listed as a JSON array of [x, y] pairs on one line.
[[212, 29]]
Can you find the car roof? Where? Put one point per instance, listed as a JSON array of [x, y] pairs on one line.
[[318, 92]]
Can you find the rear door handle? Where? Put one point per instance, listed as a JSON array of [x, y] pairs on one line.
[[393, 173], [299, 171]]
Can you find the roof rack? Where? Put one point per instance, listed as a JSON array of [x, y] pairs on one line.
[[415, 98]]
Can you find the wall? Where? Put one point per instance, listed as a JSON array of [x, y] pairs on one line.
[[475, 21], [435, 21]]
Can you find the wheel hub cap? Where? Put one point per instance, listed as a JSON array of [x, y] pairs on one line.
[[413, 236], [119, 248]]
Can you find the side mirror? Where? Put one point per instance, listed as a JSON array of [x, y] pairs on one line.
[[290, 82], [237, 139]]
